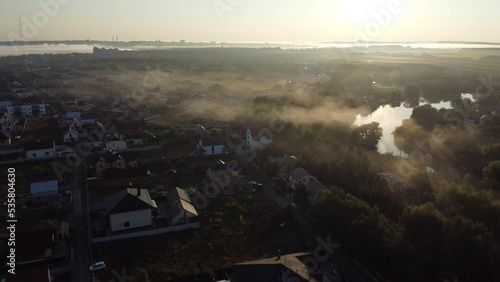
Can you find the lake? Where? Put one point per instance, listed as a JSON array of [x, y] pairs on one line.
[[391, 117]]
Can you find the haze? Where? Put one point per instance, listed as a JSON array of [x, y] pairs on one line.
[[252, 21]]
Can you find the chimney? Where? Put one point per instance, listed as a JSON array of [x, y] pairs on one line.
[[138, 192]]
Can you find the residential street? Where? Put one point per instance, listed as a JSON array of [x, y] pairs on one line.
[[78, 220]]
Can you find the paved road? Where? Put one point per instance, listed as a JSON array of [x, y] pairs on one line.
[[353, 271], [78, 220]]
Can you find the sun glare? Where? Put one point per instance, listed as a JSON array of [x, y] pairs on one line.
[[357, 10]]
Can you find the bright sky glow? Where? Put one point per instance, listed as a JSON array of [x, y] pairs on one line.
[[251, 20]]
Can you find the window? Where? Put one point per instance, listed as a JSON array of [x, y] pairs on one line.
[[46, 153], [33, 155], [126, 224]]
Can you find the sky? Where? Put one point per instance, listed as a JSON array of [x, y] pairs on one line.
[[251, 20]]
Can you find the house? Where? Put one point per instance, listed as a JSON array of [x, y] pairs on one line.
[[29, 250], [63, 230], [70, 135], [129, 208], [213, 145], [313, 187], [113, 142], [39, 149], [112, 159], [70, 104], [11, 124], [222, 180], [291, 267], [4, 104], [45, 191], [286, 163], [5, 138], [72, 115], [258, 138], [180, 207], [299, 175], [31, 106]]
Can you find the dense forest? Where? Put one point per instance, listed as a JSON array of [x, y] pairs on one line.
[[441, 222]]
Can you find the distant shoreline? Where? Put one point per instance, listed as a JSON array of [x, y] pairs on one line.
[[319, 44], [18, 48]]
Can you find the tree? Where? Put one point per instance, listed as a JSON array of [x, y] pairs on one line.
[[140, 274], [368, 135], [425, 116], [418, 189], [412, 93], [492, 170], [301, 195]]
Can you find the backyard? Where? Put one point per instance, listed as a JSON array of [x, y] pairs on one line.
[[233, 229]]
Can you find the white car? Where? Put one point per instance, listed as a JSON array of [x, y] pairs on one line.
[[98, 265]]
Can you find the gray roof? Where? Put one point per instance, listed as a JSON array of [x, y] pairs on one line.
[[314, 186], [213, 141], [176, 195], [286, 160], [44, 187], [128, 200], [298, 173]]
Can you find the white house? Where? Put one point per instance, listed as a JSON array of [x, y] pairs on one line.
[[114, 143], [213, 145], [223, 180], [258, 138], [180, 209], [299, 175], [39, 149], [27, 110], [129, 208], [70, 136], [44, 191]]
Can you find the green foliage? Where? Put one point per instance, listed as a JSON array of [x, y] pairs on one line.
[[367, 135], [492, 170], [418, 189], [411, 93], [426, 116]]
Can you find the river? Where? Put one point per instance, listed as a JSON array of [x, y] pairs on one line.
[[391, 117]]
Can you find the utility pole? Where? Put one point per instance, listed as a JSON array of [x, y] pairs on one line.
[[20, 28]]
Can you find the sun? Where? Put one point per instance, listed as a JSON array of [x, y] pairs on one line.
[[356, 10]]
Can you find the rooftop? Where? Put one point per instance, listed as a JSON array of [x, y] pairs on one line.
[[129, 199]]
